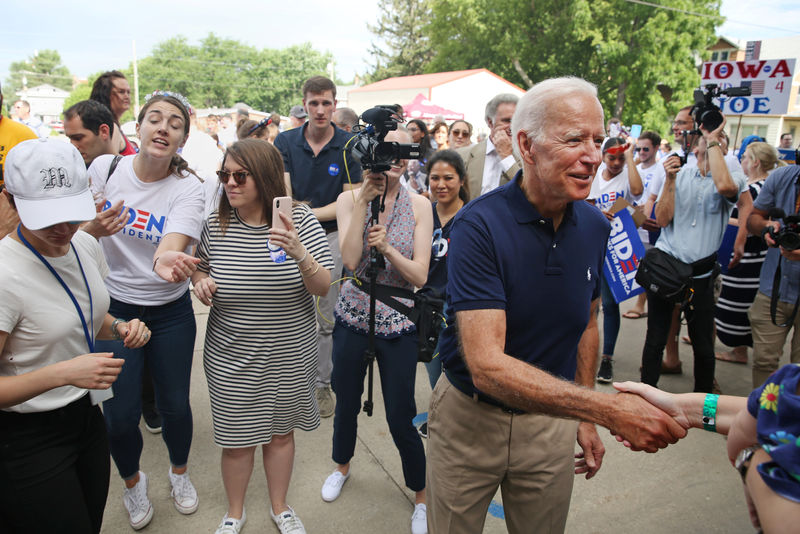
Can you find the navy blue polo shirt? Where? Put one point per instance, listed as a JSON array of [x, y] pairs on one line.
[[318, 179], [504, 255]]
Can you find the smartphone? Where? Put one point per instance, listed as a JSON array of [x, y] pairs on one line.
[[636, 131], [281, 204]]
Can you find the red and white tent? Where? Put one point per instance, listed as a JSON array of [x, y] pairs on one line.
[[422, 108]]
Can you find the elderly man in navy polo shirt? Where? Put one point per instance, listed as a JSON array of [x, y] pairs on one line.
[[312, 155], [781, 190], [523, 281]]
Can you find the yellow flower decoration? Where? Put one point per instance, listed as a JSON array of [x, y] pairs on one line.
[[769, 397]]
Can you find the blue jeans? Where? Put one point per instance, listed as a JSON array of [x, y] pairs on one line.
[[169, 354], [397, 363], [610, 318]]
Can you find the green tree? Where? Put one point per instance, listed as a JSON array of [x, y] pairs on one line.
[[406, 46], [211, 74], [42, 67], [276, 80], [628, 50], [221, 72], [81, 92]]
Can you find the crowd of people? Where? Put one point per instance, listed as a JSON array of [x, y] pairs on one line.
[[279, 229]]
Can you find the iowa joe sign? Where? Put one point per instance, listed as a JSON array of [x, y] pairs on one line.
[[770, 82]]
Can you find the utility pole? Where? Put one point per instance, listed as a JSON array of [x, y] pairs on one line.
[[135, 83]]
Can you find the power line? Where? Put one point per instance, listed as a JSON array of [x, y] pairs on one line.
[[707, 16]]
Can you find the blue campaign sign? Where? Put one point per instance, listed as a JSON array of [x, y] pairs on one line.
[[623, 253], [725, 252]]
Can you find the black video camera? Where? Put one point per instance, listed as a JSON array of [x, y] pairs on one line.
[[788, 236], [705, 112], [374, 153]]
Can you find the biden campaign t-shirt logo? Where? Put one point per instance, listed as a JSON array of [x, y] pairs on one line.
[[333, 169]]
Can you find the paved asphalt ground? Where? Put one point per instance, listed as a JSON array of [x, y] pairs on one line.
[[688, 487]]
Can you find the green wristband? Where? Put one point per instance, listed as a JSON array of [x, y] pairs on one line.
[[710, 412]]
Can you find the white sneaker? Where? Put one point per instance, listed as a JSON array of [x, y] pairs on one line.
[[333, 486], [183, 493], [288, 522], [139, 507], [230, 525], [419, 520]]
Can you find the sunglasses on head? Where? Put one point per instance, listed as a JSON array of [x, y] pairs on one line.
[[240, 177], [619, 149]]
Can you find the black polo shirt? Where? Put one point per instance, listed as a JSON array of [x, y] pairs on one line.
[[318, 179], [504, 255]]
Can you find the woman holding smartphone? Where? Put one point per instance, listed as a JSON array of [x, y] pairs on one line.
[[259, 268], [152, 215]]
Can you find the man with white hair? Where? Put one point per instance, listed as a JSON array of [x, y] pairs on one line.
[[491, 162], [518, 376]]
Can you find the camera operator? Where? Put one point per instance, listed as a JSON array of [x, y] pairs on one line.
[[693, 209], [403, 236], [781, 190]]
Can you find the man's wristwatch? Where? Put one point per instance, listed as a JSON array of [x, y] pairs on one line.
[[714, 143], [742, 461]]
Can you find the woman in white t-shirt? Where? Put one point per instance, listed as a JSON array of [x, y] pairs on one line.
[[152, 215], [53, 444], [616, 178]]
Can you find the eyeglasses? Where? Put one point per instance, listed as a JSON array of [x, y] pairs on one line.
[[240, 177], [460, 133]]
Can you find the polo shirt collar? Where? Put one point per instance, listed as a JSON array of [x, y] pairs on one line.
[[524, 212], [337, 141]]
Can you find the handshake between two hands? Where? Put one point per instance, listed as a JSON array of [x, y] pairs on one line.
[[662, 418]]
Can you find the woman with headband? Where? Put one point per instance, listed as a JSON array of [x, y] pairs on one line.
[[616, 178], [152, 215]]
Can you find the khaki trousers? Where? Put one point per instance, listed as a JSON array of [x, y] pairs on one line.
[[474, 447], [768, 339]]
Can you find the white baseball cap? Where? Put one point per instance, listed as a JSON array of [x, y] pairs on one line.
[[48, 180]]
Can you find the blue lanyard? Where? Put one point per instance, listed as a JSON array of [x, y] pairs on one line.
[[89, 338]]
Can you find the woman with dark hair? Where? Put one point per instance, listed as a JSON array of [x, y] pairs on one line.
[[260, 354], [459, 135], [415, 178], [449, 192], [112, 90], [617, 177], [147, 243], [248, 128], [52, 437], [439, 132]]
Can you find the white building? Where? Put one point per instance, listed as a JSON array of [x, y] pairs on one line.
[[464, 91], [47, 101]]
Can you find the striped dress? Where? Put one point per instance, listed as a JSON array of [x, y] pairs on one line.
[[260, 354], [739, 288]]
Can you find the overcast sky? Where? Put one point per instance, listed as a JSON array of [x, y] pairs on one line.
[[97, 35]]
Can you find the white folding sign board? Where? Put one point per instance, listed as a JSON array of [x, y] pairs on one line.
[[770, 81]]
